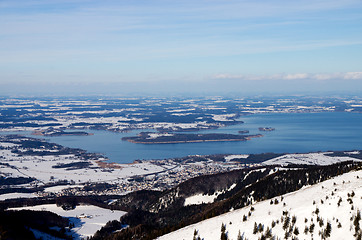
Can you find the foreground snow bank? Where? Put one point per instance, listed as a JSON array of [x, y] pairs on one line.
[[335, 202]]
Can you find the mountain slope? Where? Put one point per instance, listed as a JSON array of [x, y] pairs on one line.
[[334, 203], [155, 218]]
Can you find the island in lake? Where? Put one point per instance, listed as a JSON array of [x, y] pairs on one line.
[[162, 138], [51, 132], [243, 131], [266, 129]]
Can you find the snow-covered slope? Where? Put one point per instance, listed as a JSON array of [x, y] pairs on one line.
[[333, 203], [204, 198], [310, 159], [87, 219]]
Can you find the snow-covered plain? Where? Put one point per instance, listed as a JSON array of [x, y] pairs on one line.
[[17, 195], [48, 170], [42, 167], [308, 159], [223, 117], [87, 219], [308, 205], [235, 156]]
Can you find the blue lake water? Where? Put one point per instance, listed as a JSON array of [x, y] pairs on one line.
[[300, 132]]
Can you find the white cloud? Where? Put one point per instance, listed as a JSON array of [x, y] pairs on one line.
[[353, 75], [294, 76]]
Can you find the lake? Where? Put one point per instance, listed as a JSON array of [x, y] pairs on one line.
[[299, 132]]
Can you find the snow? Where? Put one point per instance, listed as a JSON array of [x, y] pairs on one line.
[[353, 152], [56, 189], [156, 135], [86, 218], [204, 198], [223, 117], [181, 114], [301, 203], [16, 195], [232, 186], [309, 159], [181, 110], [6, 144], [200, 198], [41, 167], [231, 157]]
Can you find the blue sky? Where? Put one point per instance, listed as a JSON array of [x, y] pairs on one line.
[[129, 46]]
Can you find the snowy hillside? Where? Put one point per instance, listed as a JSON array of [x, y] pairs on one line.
[[330, 208], [87, 219], [320, 158]]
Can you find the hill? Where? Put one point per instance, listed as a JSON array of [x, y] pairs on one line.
[[327, 209], [152, 214]]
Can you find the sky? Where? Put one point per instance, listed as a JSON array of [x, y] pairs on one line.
[[188, 46]]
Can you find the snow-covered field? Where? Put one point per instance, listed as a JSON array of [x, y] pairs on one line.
[[335, 202], [309, 159], [17, 195], [232, 157], [223, 117], [55, 169], [42, 167], [87, 219]]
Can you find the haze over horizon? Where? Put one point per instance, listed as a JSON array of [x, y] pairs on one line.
[[174, 47]]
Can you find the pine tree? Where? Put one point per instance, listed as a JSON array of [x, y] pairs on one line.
[[268, 233], [339, 202], [224, 235], [311, 228], [195, 234], [296, 231], [239, 236], [273, 224], [317, 211], [328, 230], [356, 220], [260, 227], [286, 223], [255, 229]]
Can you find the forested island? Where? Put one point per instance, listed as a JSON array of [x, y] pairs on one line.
[[163, 138]]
